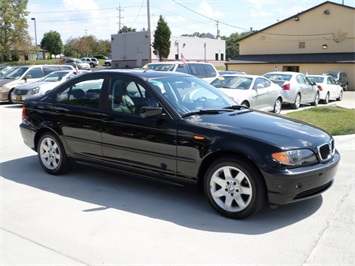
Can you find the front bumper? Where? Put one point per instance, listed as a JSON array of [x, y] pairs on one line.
[[286, 186]]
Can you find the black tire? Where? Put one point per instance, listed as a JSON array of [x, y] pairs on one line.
[[10, 96], [326, 99], [340, 96], [245, 103], [316, 100], [297, 102], [277, 106], [51, 154], [234, 188]]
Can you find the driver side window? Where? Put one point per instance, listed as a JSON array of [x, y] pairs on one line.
[[128, 96]]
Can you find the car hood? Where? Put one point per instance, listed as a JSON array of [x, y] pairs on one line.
[[237, 94], [277, 130], [5, 81], [41, 84]]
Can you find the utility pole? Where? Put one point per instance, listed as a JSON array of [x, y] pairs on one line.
[[217, 30], [149, 34], [119, 18]]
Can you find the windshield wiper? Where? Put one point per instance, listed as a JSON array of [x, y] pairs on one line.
[[203, 111], [236, 107]]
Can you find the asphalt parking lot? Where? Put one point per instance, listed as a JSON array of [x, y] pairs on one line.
[[93, 217]]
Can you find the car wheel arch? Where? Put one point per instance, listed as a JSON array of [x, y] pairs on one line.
[[208, 160], [45, 130]]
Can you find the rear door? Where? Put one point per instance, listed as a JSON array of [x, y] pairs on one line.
[[79, 116]]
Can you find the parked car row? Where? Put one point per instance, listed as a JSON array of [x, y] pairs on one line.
[[19, 75], [267, 92]]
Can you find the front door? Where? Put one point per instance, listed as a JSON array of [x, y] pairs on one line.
[[133, 142]]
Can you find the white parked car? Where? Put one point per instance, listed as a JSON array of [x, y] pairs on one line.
[[92, 61], [42, 86], [328, 88], [252, 91], [202, 70], [297, 88]]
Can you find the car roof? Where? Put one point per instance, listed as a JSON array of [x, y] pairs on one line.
[[144, 74]]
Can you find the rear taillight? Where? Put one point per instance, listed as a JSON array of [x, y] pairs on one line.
[[320, 87], [286, 87], [23, 112]]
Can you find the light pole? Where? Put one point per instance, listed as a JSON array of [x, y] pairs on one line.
[[34, 19]]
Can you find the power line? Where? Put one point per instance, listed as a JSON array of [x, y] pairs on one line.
[[217, 21]]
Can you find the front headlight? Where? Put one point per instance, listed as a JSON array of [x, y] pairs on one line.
[[35, 90], [295, 157]]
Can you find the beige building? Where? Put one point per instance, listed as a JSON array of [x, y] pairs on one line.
[[315, 41]]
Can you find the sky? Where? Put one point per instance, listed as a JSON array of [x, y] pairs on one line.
[[102, 18]]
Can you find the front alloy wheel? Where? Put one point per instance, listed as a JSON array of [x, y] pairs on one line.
[[234, 188], [51, 154], [297, 102], [278, 106]]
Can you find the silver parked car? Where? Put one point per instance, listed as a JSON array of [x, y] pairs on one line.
[[328, 88], [76, 63], [251, 90], [297, 88], [42, 86]]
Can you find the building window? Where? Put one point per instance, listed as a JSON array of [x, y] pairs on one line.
[[302, 45], [222, 57], [216, 56], [176, 56]]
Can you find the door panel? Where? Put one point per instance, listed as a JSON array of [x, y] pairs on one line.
[[79, 117], [142, 144]]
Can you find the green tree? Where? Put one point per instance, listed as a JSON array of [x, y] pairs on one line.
[[161, 44], [232, 48], [52, 42], [13, 27], [126, 29]]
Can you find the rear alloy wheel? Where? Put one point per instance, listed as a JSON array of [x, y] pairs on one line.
[[297, 102], [340, 96], [51, 154], [278, 106], [234, 188]]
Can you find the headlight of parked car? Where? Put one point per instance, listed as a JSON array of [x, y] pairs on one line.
[[295, 157], [35, 90]]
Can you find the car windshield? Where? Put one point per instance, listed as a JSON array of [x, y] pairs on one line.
[[160, 67], [316, 79], [15, 73], [333, 74], [233, 82], [278, 77], [55, 76], [190, 94]]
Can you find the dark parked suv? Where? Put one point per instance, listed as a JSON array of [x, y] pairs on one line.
[[341, 77]]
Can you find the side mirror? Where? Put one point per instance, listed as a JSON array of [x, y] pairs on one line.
[[259, 86], [150, 111]]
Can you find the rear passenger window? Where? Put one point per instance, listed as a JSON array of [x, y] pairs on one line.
[[84, 93], [35, 73], [209, 71]]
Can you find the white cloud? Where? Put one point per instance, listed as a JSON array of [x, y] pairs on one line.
[[206, 10]]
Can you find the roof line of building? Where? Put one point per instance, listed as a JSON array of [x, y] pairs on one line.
[[292, 17], [294, 58]]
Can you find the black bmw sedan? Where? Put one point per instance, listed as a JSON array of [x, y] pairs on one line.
[[176, 127]]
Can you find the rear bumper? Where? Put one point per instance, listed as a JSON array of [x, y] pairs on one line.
[[286, 186], [28, 135]]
